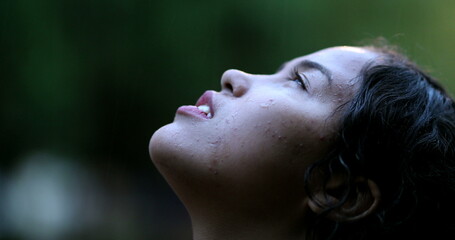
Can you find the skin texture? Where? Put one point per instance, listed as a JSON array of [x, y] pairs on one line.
[[240, 174]]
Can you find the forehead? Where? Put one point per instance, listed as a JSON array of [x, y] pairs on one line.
[[343, 62]]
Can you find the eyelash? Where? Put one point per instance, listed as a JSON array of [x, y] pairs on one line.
[[299, 78]]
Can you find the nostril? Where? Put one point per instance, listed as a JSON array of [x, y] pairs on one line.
[[228, 85], [235, 82]]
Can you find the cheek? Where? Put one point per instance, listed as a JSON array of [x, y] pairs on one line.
[[267, 138]]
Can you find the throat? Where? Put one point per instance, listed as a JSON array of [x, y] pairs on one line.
[[231, 228]]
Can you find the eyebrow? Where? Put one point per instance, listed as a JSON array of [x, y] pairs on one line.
[[311, 65]]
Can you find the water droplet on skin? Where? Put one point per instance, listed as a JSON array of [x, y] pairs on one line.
[[267, 104], [215, 142]]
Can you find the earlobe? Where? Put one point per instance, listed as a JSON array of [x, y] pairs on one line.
[[361, 201]]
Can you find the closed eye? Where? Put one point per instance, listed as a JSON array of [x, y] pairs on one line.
[[300, 79]]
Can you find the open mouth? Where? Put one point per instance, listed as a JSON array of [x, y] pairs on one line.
[[204, 104], [203, 108], [206, 110]]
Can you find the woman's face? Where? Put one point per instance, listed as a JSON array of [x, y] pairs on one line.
[[264, 130]]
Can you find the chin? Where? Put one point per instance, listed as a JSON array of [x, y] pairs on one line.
[[162, 145], [175, 154], [183, 165]]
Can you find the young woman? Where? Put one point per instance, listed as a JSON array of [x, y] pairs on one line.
[[344, 143]]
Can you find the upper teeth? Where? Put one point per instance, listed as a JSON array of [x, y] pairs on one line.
[[205, 109]]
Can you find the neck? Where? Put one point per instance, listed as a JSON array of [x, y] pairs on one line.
[[229, 225]]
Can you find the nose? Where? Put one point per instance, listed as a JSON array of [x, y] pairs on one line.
[[235, 82]]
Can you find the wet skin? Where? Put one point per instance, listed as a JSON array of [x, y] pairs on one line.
[[264, 132]]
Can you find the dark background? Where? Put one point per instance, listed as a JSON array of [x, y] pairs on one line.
[[85, 83]]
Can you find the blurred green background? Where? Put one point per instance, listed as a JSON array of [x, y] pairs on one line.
[[85, 83]]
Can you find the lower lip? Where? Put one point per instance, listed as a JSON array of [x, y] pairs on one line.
[[191, 111]]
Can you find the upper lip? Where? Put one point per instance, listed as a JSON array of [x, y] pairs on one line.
[[206, 99]]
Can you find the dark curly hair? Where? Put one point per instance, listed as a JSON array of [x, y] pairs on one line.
[[399, 131]]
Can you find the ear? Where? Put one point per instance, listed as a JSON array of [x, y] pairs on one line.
[[361, 202]]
